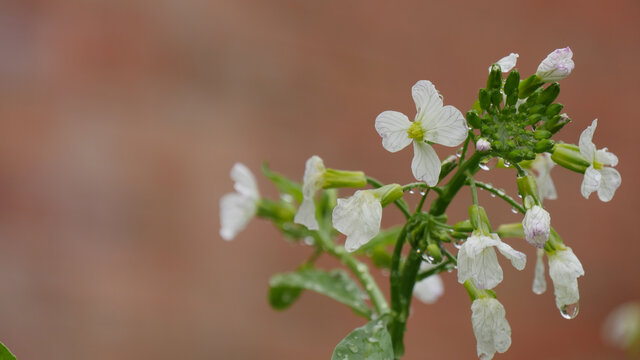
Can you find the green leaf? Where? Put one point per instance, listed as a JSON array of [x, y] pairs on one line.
[[370, 342], [5, 354], [284, 185], [285, 288]]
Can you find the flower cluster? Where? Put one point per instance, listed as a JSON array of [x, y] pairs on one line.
[[513, 121]]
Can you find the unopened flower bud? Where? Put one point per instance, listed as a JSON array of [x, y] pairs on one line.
[[536, 225], [483, 145], [557, 65]]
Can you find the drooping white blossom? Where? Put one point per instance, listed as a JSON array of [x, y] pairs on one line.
[[542, 166], [477, 260], [433, 123], [597, 177], [238, 208], [622, 326], [537, 226], [507, 63], [539, 281], [557, 65], [358, 217], [312, 181], [564, 270], [490, 326], [429, 289]]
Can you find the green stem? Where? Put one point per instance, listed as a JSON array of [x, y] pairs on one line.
[[502, 195], [401, 301], [360, 270], [474, 192], [400, 203], [424, 196], [435, 270]]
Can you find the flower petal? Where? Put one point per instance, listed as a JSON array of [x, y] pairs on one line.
[[564, 270], [427, 99], [518, 259], [606, 158], [425, 164], [245, 182], [490, 327], [536, 225], [487, 272], [429, 290], [393, 126], [586, 145], [358, 217], [236, 210], [557, 65], [539, 281], [507, 63], [306, 214], [591, 181], [447, 128], [609, 183], [543, 165]]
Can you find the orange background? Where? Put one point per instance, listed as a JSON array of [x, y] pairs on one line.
[[121, 120]]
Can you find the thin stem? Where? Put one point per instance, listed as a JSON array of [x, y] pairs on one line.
[[435, 270], [502, 195], [464, 150], [400, 203], [316, 254], [360, 270], [424, 196], [521, 171], [474, 192]]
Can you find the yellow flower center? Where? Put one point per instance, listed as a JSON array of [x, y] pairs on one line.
[[416, 131]]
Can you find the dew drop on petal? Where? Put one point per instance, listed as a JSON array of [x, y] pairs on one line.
[[353, 348], [570, 311]]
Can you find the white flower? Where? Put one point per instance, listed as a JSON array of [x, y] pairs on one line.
[[507, 63], [564, 269], [237, 209], [536, 225], [539, 282], [490, 326], [428, 290], [597, 177], [483, 145], [557, 65], [434, 123], [312, 181], [358, 217], [477, 260], [622, 326], [542, 166]]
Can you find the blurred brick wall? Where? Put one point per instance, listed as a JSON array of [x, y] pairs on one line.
[[121, 119]]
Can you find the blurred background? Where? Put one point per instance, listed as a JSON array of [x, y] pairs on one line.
[[121, 121]]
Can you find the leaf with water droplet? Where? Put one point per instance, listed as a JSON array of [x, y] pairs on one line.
[[371, 342], [284, 289]]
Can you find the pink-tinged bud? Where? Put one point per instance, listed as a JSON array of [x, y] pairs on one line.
[[537, 225], [557, 65], [483, 145]]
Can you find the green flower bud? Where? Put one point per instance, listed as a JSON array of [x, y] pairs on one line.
[[340, 178], [528, 86], [485, 99], [279, 212], [463, 226], [389, 193], [473, 119], [537, 109], [527, 187], [553, 110], [568, 156], [433, 251], [496, 98], [511, 84], [548, 95], [479, 219], [544, 145], [494, 81]]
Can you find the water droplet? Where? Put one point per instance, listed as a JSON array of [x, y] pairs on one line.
[[500, 192], [492, 194], [428, 258], [483, 167], [422, 192], [353, 348], [459, 152], [287, 197], [570, 311], [411, 191], [385, 272], [372, 340], [418, 251], [514, 210], [309, 240], [458, 243], [507, 164], [520, 196]]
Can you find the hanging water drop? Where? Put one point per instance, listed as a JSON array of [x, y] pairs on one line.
[[492, 194], [514, 210], [570, 311], [459, 152], [308, 240], [422, 192], [507, 164], [411, 192], [428, 258], [483, 167], [458, 243]]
